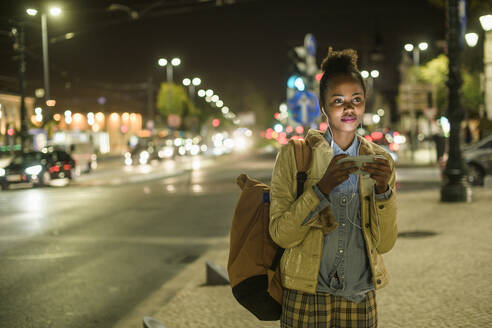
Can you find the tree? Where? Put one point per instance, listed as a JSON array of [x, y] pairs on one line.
[[254, 100], [435, 72], [173, 99]]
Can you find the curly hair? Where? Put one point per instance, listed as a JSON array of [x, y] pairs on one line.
[[342, 62]]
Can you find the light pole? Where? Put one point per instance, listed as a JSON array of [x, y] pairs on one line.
[[486, 22], [370, 77], [422, 46], [187, 83], [454, 188], [18, 33], [54, 11], [196, 81], [169, 67]]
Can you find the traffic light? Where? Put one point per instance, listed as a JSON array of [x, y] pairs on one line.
[[298, 64], [303, 63]]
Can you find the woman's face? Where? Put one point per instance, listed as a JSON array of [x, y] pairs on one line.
[[344, 103]]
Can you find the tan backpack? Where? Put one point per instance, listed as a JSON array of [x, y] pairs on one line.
[[253, 256]]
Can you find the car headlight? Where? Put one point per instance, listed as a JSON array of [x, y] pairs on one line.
[[144, 154], [34, 170], [144, 157], [2, 172]]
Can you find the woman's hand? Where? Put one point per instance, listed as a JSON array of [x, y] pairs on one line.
[[335, 174], [380, 171]]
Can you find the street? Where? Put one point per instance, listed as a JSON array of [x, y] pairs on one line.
[[86, 254], [83, 256]]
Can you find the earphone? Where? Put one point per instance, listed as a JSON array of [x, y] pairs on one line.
[[378, 239]]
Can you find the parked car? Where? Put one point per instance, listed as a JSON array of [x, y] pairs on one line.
[[37, 168], [478, 157], [83, 154]]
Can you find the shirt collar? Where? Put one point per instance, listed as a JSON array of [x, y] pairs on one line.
[[352, 149]]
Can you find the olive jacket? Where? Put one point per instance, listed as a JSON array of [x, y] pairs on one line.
[[303, 241]]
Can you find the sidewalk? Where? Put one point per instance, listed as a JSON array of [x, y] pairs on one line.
[[441, 273]]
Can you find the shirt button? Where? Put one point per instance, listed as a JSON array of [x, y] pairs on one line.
[[341, 251], [379, 281], [381, 207], [368, 225], [343, 224]]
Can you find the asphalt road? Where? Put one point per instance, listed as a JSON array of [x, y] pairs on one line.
[[86, 254]]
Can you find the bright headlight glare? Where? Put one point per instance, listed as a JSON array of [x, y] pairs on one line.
[[34, 170], [144, 154]]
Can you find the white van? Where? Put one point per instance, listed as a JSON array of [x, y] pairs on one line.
[[84, 155]]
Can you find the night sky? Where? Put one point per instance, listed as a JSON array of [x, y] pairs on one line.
[[236, 49]]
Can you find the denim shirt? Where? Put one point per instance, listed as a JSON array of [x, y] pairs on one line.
[[345, 268]]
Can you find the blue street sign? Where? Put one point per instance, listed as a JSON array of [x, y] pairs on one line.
[[304, 107], [310, 44]]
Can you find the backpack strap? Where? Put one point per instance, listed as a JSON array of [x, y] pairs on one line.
[[302, 153]]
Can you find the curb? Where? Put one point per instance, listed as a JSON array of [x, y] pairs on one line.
[[192, 276]]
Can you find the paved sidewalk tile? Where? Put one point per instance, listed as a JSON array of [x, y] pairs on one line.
[[440, 268]]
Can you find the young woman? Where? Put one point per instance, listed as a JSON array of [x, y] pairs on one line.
[[335, 232]]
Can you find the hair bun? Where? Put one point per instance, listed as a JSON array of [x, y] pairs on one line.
[[340, 61]]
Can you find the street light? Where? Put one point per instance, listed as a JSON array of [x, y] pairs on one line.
[[32, 12], [191, 84], [471, 39], [169, 68], [201, 93], [374, 74], [486, 22], [54, 11], [408, 47], [175, 61], [196, 81], [422, 46]]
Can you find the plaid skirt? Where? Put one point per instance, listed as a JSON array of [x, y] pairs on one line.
[[323, 310]]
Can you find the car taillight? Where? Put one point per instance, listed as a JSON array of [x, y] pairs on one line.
[[54, 168], [67, 167]]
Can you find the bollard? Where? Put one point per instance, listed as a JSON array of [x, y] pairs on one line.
[[149, 322], [216, 274]]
